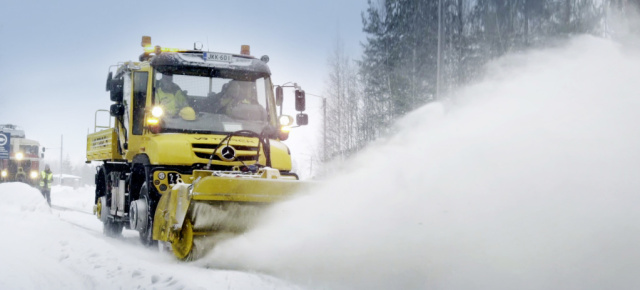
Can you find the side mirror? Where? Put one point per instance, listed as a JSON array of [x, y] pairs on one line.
[[302, 119], [117, 87], [279, 96], [42, 155], [43, 149], [109, 79], [117, 110], [300, 100]]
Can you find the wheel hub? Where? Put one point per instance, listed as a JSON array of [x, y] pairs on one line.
[[138, 215]]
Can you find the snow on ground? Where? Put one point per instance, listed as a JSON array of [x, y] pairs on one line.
[[63, 248]]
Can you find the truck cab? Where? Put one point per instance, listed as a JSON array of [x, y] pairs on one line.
[[180, 111], [24, 159]]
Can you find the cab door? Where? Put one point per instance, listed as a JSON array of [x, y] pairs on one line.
[[139, 95]]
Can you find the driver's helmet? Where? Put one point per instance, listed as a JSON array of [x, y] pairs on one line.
[[187, 113]]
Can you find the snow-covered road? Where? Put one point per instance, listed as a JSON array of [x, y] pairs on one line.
[[64, 248]]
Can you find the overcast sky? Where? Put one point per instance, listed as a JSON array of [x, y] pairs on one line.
[[55, 55]]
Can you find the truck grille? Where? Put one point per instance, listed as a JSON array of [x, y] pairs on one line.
[[243, 153]]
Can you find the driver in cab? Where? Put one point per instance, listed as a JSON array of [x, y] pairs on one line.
[[173, 99], [239, 100]]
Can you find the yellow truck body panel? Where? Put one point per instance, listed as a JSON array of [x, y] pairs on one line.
[[102, 145]]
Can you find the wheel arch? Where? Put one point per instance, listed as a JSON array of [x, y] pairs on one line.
[[102, 173], [100, 181], [141, 172], [137, 178]]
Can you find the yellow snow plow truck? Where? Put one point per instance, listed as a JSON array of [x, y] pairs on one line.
[[196, 148]]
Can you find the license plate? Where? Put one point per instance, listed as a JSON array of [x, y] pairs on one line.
[[219, 57]]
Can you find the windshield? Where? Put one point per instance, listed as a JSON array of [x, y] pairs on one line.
[[29, 150], [212, 104]]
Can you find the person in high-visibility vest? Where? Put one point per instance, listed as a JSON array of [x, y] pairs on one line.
[[46, 178], [21, 176], [170, 96]]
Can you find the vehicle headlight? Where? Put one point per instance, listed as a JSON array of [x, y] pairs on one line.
[[286, 120], [4, 173], [19, 155], [34, 174], [161, 175], [157, 112]]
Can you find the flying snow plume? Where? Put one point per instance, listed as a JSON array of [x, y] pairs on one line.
[[531, 181]]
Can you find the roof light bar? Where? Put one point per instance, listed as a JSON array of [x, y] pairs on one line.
[[157, 49]]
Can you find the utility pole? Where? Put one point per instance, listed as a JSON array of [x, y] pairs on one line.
[[324, 126], [438, 63], [324, 129], [61, 159]]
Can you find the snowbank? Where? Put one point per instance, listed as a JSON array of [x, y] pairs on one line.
[[63, 248], [32, 249], [21, 197]]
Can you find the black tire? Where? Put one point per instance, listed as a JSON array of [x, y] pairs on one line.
[[101, 184], [146, 235], [110, 227]]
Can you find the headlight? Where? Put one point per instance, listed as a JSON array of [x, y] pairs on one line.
[[4, 173], [157, 112], [19, 155], [161, 175], [34, 174], [285, 120]]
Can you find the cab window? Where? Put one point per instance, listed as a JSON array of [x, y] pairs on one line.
[[140, 80]]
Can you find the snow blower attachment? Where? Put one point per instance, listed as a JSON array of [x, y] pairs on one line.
[[216, 206], [196, 151]]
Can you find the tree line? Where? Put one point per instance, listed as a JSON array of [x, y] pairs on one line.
[[397, 71]]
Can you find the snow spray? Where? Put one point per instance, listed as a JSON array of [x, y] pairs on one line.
[[531, 180]]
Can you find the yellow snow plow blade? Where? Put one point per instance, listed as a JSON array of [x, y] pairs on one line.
[[218, 205]]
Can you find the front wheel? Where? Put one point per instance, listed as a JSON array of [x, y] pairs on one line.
[[146, 229]]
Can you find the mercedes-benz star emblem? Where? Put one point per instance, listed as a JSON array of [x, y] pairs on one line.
[[228, 153]]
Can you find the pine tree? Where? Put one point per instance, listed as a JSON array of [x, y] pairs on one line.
[[397, 71]]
